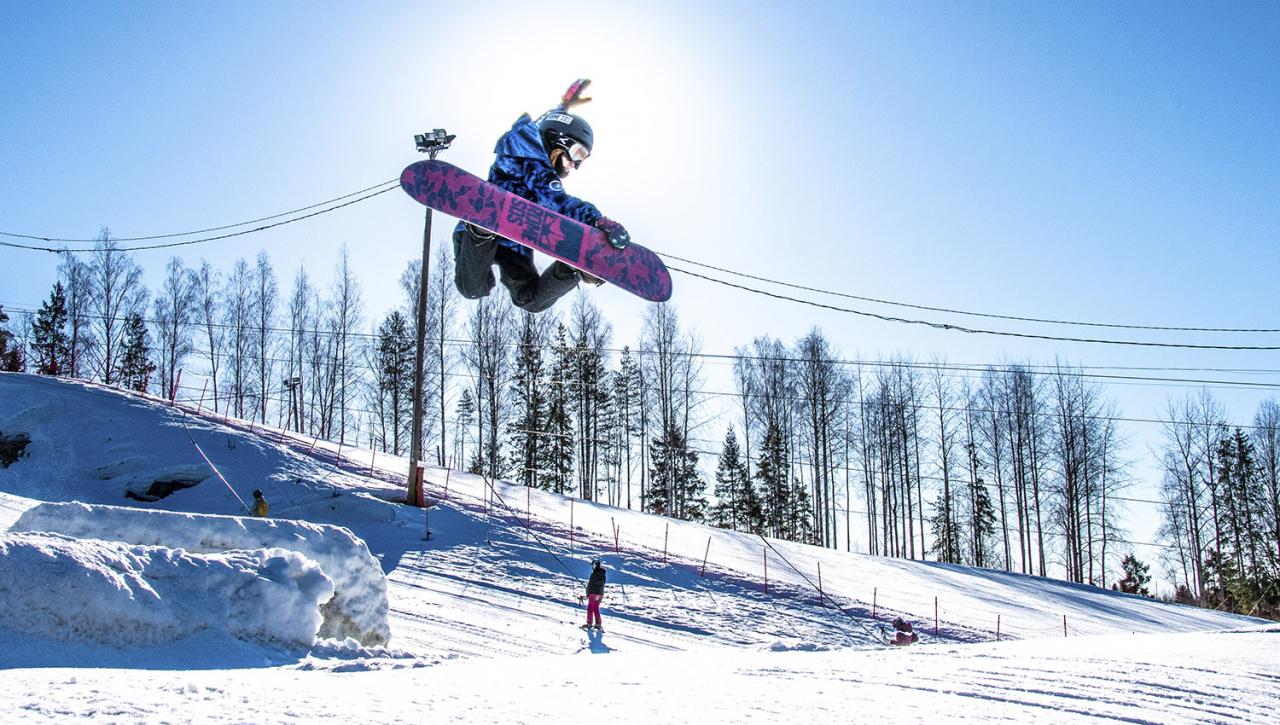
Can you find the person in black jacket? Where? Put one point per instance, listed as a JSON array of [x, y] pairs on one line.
[[595, 592]]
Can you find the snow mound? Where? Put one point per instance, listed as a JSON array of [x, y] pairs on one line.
[[357, 609], [127, 595]]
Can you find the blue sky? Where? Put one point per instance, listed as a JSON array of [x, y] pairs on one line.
[[1085, 161]]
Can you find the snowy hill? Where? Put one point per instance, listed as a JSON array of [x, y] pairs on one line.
[[157, 571]]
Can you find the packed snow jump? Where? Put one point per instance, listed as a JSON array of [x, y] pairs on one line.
[[524, 207]]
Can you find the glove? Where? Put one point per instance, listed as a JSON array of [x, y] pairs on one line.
[[572, 97], [618, 237]]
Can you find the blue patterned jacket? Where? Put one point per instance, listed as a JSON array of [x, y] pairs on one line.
[[523, 168]]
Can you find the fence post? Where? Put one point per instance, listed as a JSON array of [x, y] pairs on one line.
[[372, 459], [766, 571], [997, 627], [822, 600], [1064, 625], [935, 616], [447, 473], [528, 507], [666, 536], [704, 557], [873, 603], [200, 405], [616, 529], [570, 523]]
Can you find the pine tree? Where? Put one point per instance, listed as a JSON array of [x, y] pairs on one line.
[[466, 417], [678, 490], [556, 463], [945, 531], [771, 473], [731, 478], [136, 366], [10, 354], [395, 357], [527, 428], [1135, 578], [50, 341]]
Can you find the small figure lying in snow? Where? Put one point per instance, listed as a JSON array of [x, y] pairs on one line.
[[904, 633]]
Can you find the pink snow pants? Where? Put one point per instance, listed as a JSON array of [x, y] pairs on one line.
[[593, 609]]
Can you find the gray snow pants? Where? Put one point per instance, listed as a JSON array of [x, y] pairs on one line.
[[475, 251]]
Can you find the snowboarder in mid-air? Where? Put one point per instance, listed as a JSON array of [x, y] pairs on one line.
[[532, 160], [595, 592]]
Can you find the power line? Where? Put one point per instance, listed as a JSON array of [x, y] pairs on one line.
[[971, 330], [965, 312], [64, 250]]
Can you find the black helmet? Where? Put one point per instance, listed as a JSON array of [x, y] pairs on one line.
[[257, 493], [595, 563], [561, 129]]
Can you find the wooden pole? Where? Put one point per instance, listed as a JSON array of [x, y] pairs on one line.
[[873, 603], [200, 405], [997, 627], [935, 616], [666, 536], [1064, 625], [822, 600], [766, 571], [570, 523], [704, 557]]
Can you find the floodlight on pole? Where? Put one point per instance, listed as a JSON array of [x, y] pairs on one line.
[[430, 143]]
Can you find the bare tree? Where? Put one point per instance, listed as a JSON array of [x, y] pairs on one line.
[[209, 317], [76, 278], [490, 328], [347, 311], [175, 312], [301, 319], [265, 299], [116, 281]]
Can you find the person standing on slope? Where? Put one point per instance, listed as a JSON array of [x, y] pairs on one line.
[[595, 592], [260, 507], [532, 160]]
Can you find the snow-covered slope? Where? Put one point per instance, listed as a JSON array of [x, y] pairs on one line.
[[701, 623]]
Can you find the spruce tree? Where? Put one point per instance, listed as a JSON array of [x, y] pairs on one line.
[[466, 417], [136, 366], [556, 462], [395, 362], [678, 489], [731, 476], [771, 474], [50, 342], [10, 354], [946, 533], [1135, 578], [527, 429]]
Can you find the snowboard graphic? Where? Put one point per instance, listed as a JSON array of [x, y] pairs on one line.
[[448, 189]]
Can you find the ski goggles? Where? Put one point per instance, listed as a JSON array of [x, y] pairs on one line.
[[576, 152]]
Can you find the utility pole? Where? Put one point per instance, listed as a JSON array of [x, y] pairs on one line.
[[431, 143]]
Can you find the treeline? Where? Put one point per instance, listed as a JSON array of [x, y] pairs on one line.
[[1008, 466], [1221, 490]]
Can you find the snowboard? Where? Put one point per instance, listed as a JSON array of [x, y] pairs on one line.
[[448, 189]]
